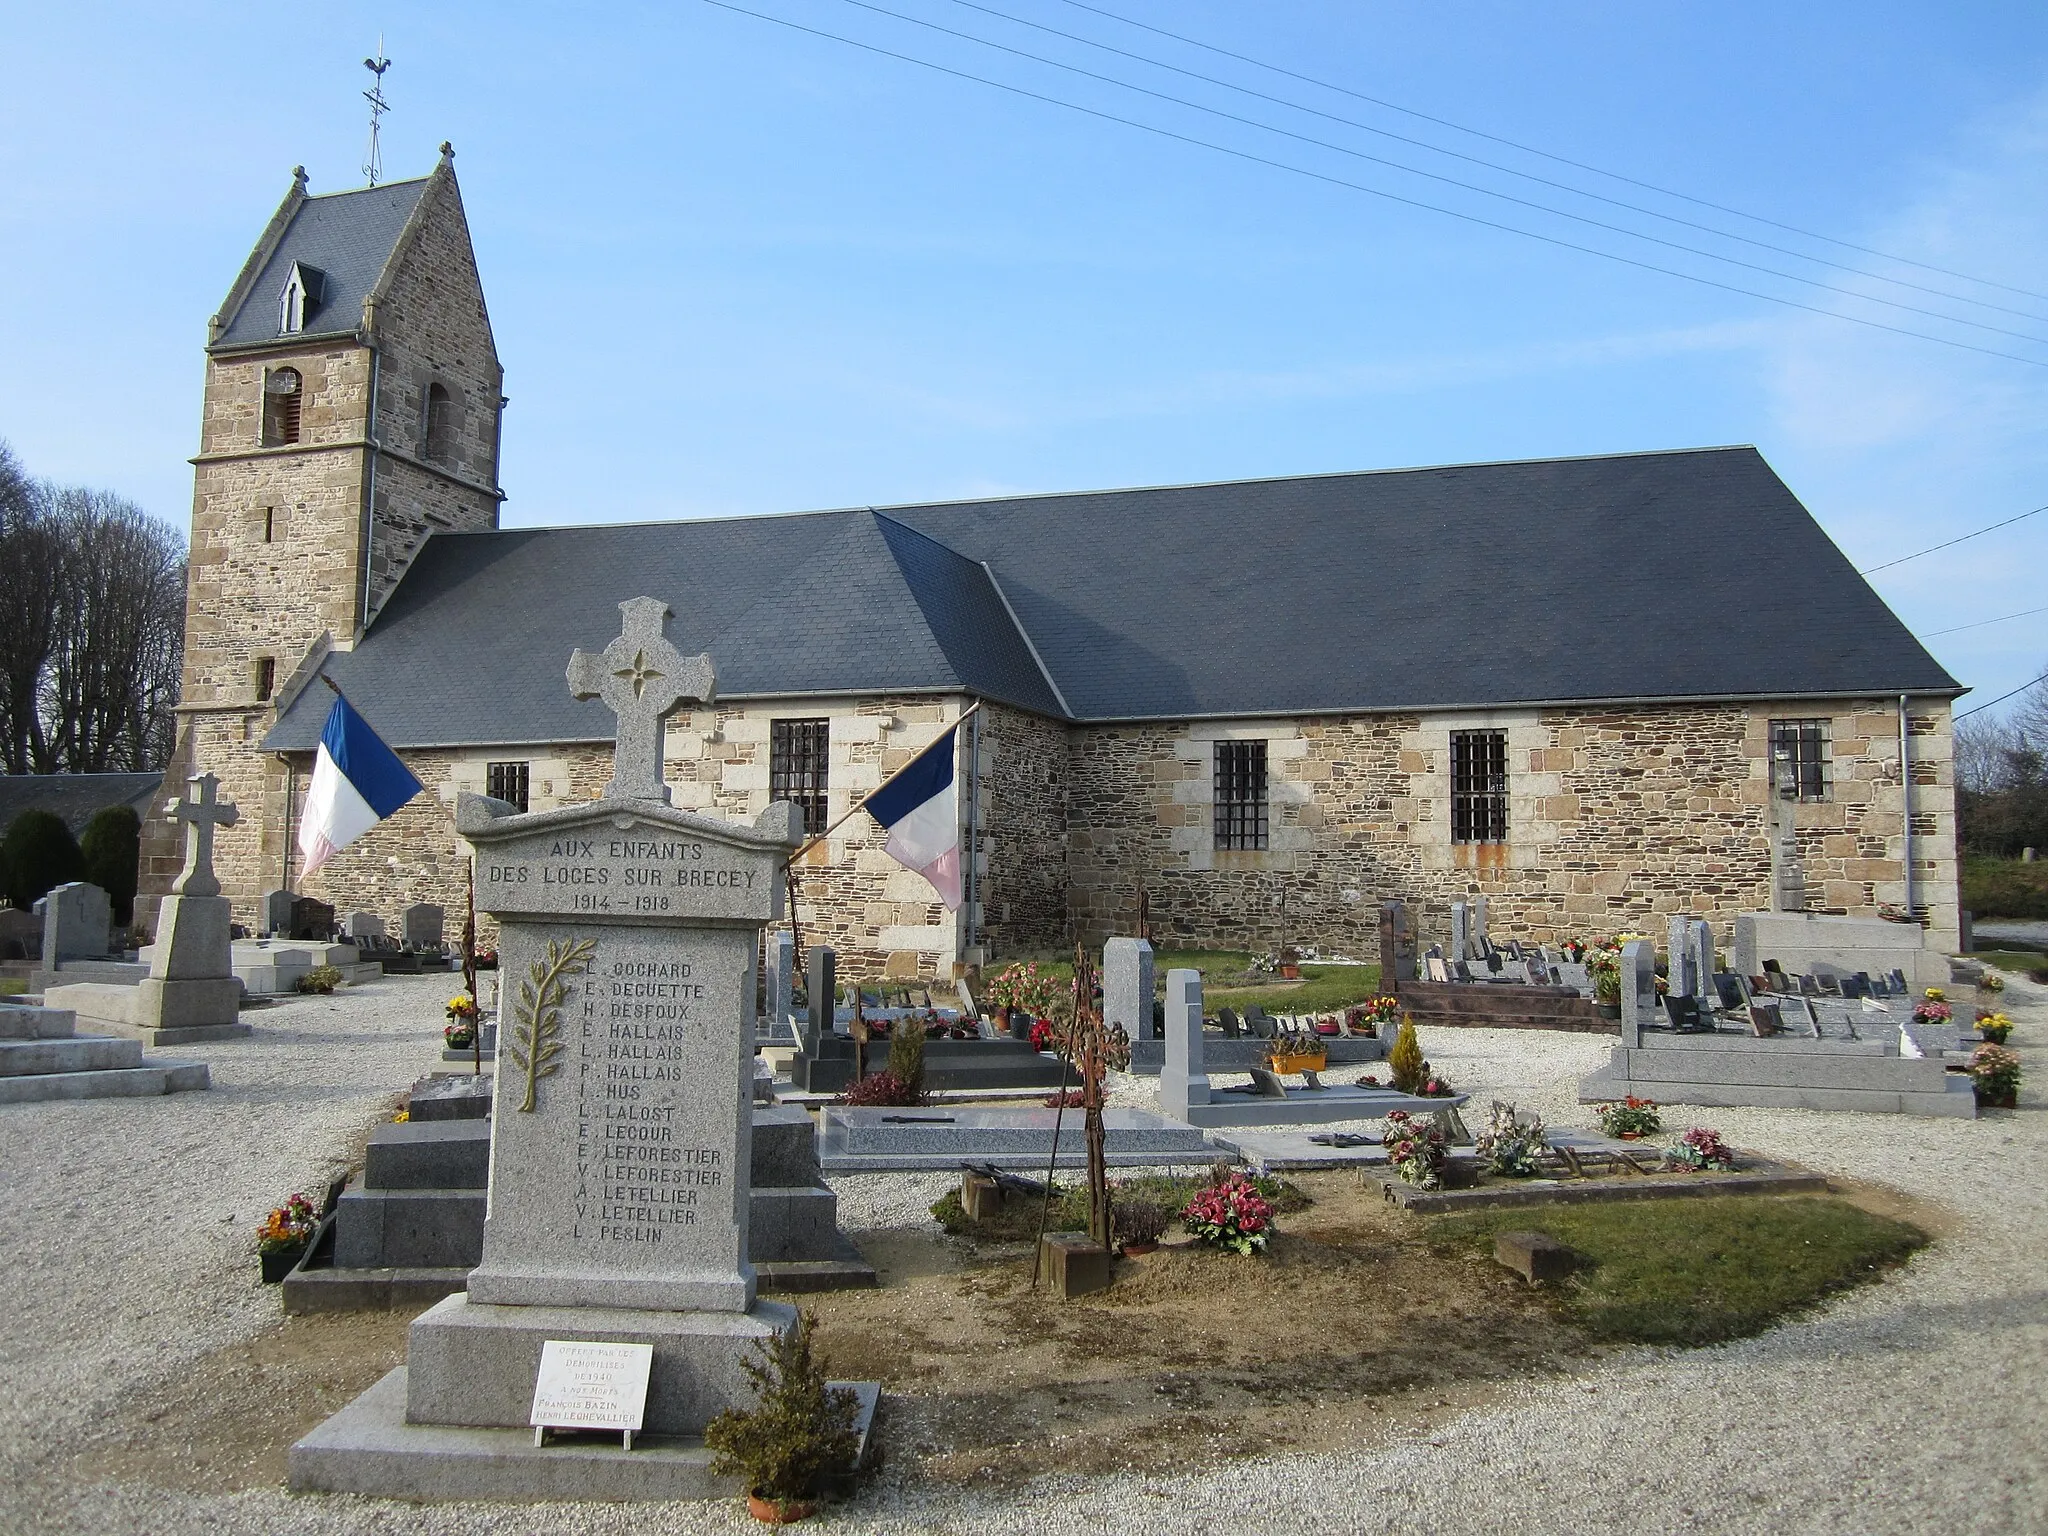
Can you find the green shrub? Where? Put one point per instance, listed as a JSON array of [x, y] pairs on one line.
[[2005, 888], [322, 979], [1404, 1061], [36, 854], [800, 1429], [906, 1052], [112, 850]]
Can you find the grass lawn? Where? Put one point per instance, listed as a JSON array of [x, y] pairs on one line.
[[2012, 959], [1322, 988], [1698, 1271]]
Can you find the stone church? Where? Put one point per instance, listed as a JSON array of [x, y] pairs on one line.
[[1597, 691]]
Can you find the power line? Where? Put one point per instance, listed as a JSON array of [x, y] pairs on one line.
[[1530, 149], [1964, 538], [1491, 165], [1449, 181], [1958, 629], [1354, 186], [2023, 687]]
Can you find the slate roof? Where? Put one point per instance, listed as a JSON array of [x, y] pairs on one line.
[[75, 797], [1656, 576], [348, 237]]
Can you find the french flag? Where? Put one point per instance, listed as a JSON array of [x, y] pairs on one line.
[[921, 814], [357, 782]]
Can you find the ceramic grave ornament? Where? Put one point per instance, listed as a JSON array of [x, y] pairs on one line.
[[619, 1196]]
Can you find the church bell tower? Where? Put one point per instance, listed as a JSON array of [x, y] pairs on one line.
[[352, 407]]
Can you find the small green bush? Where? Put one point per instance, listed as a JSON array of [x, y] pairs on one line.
[[112, 850], [1404, 1061], [906, 1053], [322, 979], [37, 854], [801, 1429]]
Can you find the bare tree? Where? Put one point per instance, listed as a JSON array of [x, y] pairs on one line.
[[92, 612]]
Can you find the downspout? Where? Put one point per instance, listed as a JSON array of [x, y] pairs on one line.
[[1905, 806], [369, 483], [973, 832]]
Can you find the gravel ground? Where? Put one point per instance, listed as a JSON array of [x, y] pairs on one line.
[[1912, 1405]]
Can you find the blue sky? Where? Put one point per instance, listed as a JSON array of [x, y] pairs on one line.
[[737, 268]]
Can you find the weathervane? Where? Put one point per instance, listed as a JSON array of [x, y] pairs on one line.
[[373, 165]]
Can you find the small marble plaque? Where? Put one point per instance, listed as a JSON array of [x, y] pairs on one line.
[[583, 1385]]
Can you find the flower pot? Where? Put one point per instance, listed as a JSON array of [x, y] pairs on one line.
[[1290, 972], [1628, 1135], [779, 1511], [1998, 1100], [1139, 1250], [277, 1265], [1610, 1011], [1318, 1062]]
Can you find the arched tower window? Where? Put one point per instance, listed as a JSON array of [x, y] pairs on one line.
[[439, 433], [283, 392], [299, 298]]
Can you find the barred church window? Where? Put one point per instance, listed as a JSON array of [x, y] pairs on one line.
[[1479, 786], [1240, 794], [283, 390], [799, 752], [1799, 759], [507, 782], [266, 678], [437, 428]]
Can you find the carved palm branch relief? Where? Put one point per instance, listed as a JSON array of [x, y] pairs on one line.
[[536, 1044]]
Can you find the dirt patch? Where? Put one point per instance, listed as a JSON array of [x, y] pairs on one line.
[[1348, 1328], [227, 1422]]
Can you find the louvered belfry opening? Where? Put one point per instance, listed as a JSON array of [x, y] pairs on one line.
[[283, 392]]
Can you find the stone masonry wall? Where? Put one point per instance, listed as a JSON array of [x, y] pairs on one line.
[[1617, 818], [1022, 871]]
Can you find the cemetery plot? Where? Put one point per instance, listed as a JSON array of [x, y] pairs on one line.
[[1567, 1175]]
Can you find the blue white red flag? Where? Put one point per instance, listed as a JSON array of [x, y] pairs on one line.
[[357, 782], [921, 814]]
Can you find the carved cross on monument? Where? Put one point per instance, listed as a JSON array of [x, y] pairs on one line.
[[642, 679], [201, 813]]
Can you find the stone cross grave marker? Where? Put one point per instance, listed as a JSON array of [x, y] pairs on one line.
[[642, 679], [201, 812], [1127, 987]]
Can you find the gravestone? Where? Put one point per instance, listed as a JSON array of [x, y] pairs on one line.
[[191, 992], [1183, 1080], [1638, 989], [422, 925], [780, 973], [1461, 932], [621, 1151], [311, 918], [1127, 977], [1678, 949], [274, 914], [1397, 946], [78, 921], [822, 982], [362, 927], [1700, 946], [1480, 943]]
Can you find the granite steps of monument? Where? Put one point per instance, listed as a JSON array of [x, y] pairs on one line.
[[948, 1064], [1228, 1107], [43, 1057], [111, 971], [370, 1448], [1726, 1068]]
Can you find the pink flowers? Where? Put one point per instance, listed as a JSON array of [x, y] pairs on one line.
[[1043, 1036], [1932, 1011], [1702, 1149], [1231, 1214]]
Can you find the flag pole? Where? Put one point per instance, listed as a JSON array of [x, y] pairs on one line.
[[811, 842]]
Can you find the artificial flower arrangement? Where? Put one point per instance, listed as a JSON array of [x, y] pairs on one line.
[[1991, 981], [1631, 1118], [1024, 987], [1433, 1086], [1932, 1009], [460, 1031], [1510, 1147], [1995, 1072], [1700, 1149], [1044, 1037], [1375, 1013], [1603, 969], [1415, 1149], [1995, 1027], [1231, 1214], [288, 1228]]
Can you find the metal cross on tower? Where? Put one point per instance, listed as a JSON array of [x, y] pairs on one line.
[[201, 813], [373, 163], [642, 679]]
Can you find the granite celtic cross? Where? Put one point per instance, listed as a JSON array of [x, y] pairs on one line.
[[201, 813], [642, 679]]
